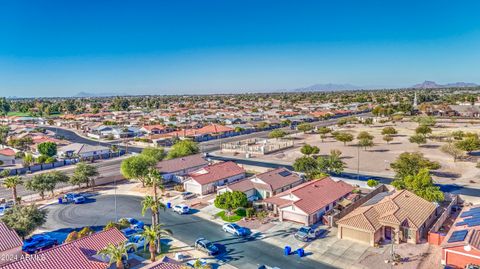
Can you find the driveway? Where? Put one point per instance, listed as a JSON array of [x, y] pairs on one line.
[[242, 253]]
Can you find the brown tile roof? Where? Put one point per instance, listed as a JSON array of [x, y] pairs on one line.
[[277, 179], [399, 208], [216, 172], [208, 129], [313, 195], [242, 185], [182, 163], [8, 238], [74, 255]]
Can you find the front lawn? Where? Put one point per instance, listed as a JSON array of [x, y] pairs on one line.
[[234, 217]]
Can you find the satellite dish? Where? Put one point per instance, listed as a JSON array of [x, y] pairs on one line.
[[467, 248]]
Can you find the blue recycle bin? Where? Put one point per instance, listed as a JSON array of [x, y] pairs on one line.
[[60, 200], [287, 250], [169, 205], [300, 252]]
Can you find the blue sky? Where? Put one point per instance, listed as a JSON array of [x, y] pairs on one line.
[[59, 48]]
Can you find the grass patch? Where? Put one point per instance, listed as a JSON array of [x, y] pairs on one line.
[[19, 114], [236, 216]]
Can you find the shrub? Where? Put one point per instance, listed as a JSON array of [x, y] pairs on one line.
[[179, 188], [372, 183], [250, 212]]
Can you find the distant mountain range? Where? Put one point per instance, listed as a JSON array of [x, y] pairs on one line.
[[329, 87], [103, 94], [433, 85]]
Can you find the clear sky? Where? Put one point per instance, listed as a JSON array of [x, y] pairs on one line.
[[59, 48]]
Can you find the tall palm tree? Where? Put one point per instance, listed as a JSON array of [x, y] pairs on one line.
[[152, 204], [116, 253], [154, 179], [152, 235], [12, 183]]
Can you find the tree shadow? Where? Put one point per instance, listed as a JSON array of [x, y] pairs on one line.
[[379, 150], [445, 174], [430, 146]]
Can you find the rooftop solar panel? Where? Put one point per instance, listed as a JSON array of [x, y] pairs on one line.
[[474, 223], [458, 236], [285, 173], [460, 223]]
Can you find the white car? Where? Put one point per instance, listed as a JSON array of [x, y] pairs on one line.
[[234, 229], [181, 209]]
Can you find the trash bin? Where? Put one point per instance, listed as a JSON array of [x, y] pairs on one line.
[[60, 200], [300, 252], [287, 250], [169, 205]]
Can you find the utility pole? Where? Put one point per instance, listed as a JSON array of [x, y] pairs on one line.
[[358, 162]]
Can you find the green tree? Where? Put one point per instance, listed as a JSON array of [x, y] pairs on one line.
[[422, 185], [12, 183], [458, 135], [323, 131], [278, 133], [410, 163], [423, 130], [305, 164], [388, 138], [28, 160], [47, 148], [372, 183], [468, 144], [84, 174], [331, 163], [343, 137], [304, 127], [24, 219], [426, 120], [418, 139], [309, 150], [156, 153], [152, 235], [452, 150], [365, 142], [4, 106], [45, 182], [137, 167], [4, 131], [231, 200], [389, 131], [115, 253], [183, 148], [152, 204], [364, 135]]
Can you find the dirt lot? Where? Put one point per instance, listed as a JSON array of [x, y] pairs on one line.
[[376, 160]]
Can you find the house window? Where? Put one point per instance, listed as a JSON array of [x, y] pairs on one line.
[[327, 208]]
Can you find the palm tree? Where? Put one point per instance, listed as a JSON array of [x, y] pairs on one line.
[[12, 183], [116, 253], [152, 235], [154, 179], [152, 204]]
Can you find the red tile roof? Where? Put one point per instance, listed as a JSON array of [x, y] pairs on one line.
[[7, 152], [152, 127], [8, 238], [216, 172], [209, 129], [313, 195], [74, 255], [166, 263]]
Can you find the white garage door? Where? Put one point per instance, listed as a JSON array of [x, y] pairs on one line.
[[195, 188], [291, 216], [355, 235]]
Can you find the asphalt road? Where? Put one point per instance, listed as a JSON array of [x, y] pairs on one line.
[[242, 253], [106, 168]]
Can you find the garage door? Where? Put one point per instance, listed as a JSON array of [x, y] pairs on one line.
[[193, 188], [288, 215], [355, 235]]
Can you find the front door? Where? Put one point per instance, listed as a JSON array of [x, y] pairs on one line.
[[388, 233]]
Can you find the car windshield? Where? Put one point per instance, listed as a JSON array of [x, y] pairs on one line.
[[209, 245], [304, 230], [235, 226]]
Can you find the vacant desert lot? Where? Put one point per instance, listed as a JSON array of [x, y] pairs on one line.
[[376, 160]]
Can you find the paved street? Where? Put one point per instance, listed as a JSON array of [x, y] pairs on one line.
[[242, 253]]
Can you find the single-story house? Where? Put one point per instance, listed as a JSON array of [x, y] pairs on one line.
[[155, 129], [461, 245], [10, 244], [178, 169], [78, 254], [308, 202], [82, 150], [7, 156], [398, 215], [205, 180], [266, 184]]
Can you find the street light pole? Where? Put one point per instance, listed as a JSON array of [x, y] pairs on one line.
[[115, 196], [358, 162]]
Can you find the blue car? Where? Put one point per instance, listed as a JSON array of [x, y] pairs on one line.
[[134, 223], [37, 243]]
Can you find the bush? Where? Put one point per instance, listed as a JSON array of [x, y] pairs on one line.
[[179, 188], [42, 159], [250, 212], [372, 183]]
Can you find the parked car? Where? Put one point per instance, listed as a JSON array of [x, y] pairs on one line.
[[4, 207], [307, 233], [137, 241], [234, 229], [188, 195], [128, 232], [181, 209], [206, 246], [267, 267], [37, 243], [134, 223], [74, 198]]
